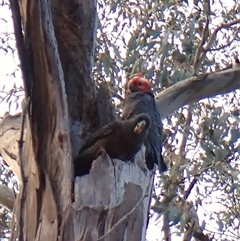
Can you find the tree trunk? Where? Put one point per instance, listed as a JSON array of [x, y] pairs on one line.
[[56, 54]]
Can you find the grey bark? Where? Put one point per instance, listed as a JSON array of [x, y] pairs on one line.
[[112, 201]]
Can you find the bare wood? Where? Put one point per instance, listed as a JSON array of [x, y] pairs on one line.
[[10, 128], [46, 159], [116, 207]]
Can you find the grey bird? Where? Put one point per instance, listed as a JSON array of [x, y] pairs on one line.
[[140, 99]]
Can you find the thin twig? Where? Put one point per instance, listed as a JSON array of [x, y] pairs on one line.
[[213, 37], [185, 134], [219, 48], [203, 40], [122, 219], [188, 191]]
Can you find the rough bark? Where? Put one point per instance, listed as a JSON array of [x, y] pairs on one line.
[[75, 29], [45, 161]]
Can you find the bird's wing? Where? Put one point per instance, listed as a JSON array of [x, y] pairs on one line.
[[99, 134]]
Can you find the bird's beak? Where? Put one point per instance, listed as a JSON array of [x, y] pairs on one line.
[[139, 127]]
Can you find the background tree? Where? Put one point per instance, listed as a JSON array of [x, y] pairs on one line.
[[168, 41]]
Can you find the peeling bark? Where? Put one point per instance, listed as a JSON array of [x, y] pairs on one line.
[[46, 158], [9, 135]]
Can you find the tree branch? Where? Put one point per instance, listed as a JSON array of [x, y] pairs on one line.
[[214, 34], [188, 234], [200, 236], [188, 191], [197, 88], [203, 40]]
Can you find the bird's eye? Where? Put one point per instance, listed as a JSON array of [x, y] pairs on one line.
[[140, 83]]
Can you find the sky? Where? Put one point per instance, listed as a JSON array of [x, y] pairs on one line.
[[10, 73]]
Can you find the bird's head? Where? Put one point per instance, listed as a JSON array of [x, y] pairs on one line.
[[142, 123], [138, 83]]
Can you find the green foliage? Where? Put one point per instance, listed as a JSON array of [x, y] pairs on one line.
[[153, 36], [202, 147]]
